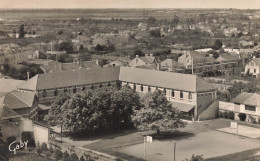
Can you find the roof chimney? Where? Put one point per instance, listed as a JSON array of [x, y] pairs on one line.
[[137, 56]]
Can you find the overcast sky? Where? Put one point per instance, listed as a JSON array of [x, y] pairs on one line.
[[243, 4]]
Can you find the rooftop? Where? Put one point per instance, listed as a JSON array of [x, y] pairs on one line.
[[252, 99], [185, 82]]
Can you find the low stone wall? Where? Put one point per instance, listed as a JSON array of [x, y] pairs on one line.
[[80, 151]]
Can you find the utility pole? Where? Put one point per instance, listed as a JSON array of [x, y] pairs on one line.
[[174, 150], [191, 65]]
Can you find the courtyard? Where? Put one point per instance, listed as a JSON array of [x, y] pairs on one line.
[[209, 144]]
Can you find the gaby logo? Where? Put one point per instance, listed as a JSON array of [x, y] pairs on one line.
[[16, 146]]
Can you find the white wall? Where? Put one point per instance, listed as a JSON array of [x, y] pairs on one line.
[[41, 134]]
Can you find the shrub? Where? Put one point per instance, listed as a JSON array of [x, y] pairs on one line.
[[230, 115], [48, 154], [66, 156], [82, 158], [51, 149], [57, 154], [39, 150], [44, 146], [195, 158], [74, 157], [242, 116]]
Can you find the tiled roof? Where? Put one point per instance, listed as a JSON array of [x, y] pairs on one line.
[[71, 78], [184, 107], [171, 63], [185, 82], [16, 99], [5, 112], [252, 99], [8, 85]]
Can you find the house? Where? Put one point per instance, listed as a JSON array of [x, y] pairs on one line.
[[170, 65], [61, 67], [188, 93], [246, 107], [14, 127], [253, 67], [144, 60], [229, 59], [142, 26], [116, 63], [190, 58], [23, 103]]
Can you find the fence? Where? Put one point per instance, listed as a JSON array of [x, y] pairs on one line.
[[80, 151]]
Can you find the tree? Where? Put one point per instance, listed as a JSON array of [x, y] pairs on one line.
[[175, 21], [85, 57], [57, 154], [55, 116], [156, 114], [151, 19], [123, 103], [138, 52], [65, 46], [155, 33], [99, 48], [217, 45], [93, 110], [21, 31]]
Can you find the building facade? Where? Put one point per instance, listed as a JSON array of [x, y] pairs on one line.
[[188, 93]]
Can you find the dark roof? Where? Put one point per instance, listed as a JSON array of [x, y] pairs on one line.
[[17, 100], [252, 99], [184, 107], [71, 78], [6, 112], [185, 82]]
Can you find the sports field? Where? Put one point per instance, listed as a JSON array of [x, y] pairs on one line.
[[209, 144]]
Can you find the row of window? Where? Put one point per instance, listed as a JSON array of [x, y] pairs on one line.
[[74, 90], [164, 91]]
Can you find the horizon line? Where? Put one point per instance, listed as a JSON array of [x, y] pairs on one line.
[[45, 8]]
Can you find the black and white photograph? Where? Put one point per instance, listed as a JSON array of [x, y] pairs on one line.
[[129, 80]]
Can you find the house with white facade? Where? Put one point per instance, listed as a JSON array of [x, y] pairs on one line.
[[253, 67]]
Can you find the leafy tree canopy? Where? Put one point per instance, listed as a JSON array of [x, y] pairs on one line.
[[156, 114]]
